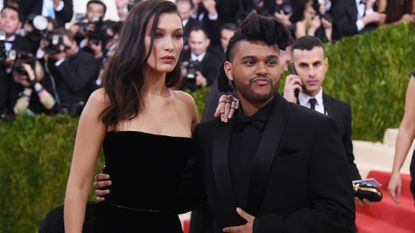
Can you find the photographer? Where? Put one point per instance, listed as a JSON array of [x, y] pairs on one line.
[[10, 22], [30, 92], [72, 70], [317, 22], [200, 66]]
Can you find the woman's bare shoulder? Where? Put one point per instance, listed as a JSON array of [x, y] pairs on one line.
[[184, 97], [98, 99]]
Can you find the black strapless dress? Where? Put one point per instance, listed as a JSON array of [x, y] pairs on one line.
[[145, 170]]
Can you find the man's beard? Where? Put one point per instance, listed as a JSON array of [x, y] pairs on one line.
[[249, 94]]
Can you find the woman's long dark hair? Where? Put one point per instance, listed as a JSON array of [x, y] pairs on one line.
[[123, 78], [395, 9]]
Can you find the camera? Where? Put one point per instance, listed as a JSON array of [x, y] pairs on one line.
[[190, 78], [19, 58], [55, 43], [36, 27]]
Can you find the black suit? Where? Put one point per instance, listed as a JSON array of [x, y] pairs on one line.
[[28, 7], [345, 15], [74, 77], [6, 102], [292, 188], [342, 113]]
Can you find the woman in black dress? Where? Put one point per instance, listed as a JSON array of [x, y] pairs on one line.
[[145, 129]]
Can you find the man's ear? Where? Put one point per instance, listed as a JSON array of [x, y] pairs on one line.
[[227, 67]]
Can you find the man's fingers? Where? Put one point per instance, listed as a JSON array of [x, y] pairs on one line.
[[232, 229], [102, 184], [102, 177], [99, 199], [367, 202], [103, 168], [244, 214], [102, 193]]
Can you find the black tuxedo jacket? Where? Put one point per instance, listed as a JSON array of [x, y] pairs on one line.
[[345, 15], [74, 77], [35, 7], [299, 181], [342, 113]]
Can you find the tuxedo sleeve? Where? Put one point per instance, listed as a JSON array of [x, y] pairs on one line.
[[191, 191], [331, 207], [65, 15], [345, 25], [348, 145], [78, 78]]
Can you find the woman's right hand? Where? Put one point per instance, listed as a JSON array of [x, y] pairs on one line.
[[101, 184], [395, 187]]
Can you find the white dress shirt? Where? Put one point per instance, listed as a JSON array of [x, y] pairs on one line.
[[304, 101], [198, 58]]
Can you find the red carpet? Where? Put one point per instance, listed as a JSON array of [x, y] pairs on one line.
[[386, 216]]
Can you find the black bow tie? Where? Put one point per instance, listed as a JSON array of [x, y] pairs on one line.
[[241, 123], [362, 2]]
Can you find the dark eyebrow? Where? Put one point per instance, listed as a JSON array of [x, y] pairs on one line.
[[175, 30]]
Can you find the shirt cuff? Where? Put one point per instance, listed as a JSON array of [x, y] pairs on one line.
[[360, 25], [213, 17], [40, 53], [60, 6], [59, 62]]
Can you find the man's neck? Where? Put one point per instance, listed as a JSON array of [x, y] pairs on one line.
[[252, 107]]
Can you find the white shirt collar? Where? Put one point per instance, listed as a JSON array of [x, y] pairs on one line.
[[197, 58], [303, 99], [8, 46]]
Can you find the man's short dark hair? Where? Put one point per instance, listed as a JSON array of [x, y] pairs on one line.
[[15, 7], [255, 27], [228, 26], [307, 43], [199, 28], [97, 2]]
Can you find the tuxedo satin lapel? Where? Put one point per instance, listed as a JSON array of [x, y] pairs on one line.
[[266, 152], [220, 163], [328, 106]]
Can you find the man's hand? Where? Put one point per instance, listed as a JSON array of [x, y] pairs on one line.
[[375, 17], [247, 228], [200, 79], [101, 184], [362, 202], [292, 82], [285, 19], [210, 6], [56, 3], [59, 56], [96, 48], [226, 107]]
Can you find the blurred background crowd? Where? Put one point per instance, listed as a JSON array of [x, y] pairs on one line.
[[52, 58]]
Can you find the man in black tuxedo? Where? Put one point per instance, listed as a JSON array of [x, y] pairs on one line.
[[10, 22], [278, 162], [351, 17], [60, 10]]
